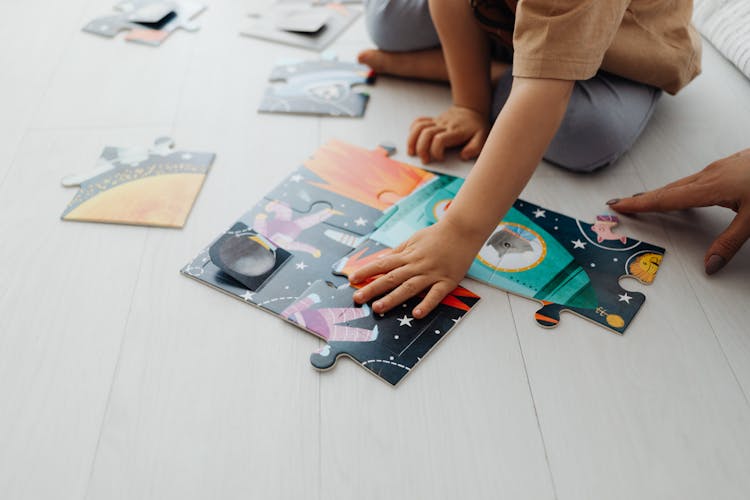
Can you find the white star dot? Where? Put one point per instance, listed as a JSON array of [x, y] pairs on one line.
[[360, 221], [406, 320], [295, 178], [593, 265], [437, 331], [248, 295], [615, 259], [540, 213], [395, 337], [578, 244], [624, 298], [391, 358], [301, 266]]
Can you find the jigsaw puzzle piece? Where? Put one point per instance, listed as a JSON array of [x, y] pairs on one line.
[[150, 21], [247, 256], [356, 183], [313, 246], [301, 24], [534, 252], [320, 87], [154, 186], [389, 345]]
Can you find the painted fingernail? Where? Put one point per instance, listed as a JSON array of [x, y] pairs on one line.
[[715, 263], [613, 201], [636, 194]]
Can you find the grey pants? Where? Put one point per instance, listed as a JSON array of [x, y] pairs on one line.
[[605, 116]]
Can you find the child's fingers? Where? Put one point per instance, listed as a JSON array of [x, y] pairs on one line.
[[433, 298], [416, 128], [382, 285], [439, 143], [401, 294], [425, 140], [474, 146]]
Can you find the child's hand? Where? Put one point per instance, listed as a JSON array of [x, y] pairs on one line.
[[428, 137], [725, 183], [436, 257]]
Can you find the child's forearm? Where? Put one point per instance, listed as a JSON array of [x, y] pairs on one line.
[[466, 51], [519, 138]]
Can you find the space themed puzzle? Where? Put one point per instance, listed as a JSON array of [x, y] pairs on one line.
[[322, 87], [347, 206], [279, 256], [564, 263], [154, 186]]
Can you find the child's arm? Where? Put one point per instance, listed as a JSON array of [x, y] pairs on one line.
[[467, 56], [439, 256]]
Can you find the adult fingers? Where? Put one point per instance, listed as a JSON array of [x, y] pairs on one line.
[[665, 199], [474, 146], [416, 128], [728, 243], [433, 298], [425, 140], [401, 294]]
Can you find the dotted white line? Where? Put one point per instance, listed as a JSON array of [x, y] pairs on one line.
[[276, 300], [386, 362]]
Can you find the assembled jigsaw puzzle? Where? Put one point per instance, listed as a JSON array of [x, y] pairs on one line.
[[280, 255], [154, 186], [322, 87], [564, 263], [347, 206], [149, 22], [301, 23]]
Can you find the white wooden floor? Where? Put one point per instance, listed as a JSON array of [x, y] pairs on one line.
[[121, 379]]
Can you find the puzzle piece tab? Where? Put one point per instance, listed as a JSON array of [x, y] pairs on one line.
[[322, 87], [389, 345], [154, 186], [301, 23], [150, 21]]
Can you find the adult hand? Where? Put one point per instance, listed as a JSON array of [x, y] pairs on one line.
[[436, 257], [725, 183], [458, 126]]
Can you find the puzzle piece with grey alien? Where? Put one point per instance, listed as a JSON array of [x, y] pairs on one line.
[[347, 206]]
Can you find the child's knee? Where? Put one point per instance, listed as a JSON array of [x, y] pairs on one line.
[[400, 25], [604, 118], [588, 144]]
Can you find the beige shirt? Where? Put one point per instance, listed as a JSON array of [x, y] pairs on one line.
[[649, 41]]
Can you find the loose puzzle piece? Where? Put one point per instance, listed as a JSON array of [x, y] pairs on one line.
[[320, 87], [301, 23], [389, 345], [150, 21], [139, 186], [564, 263]]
